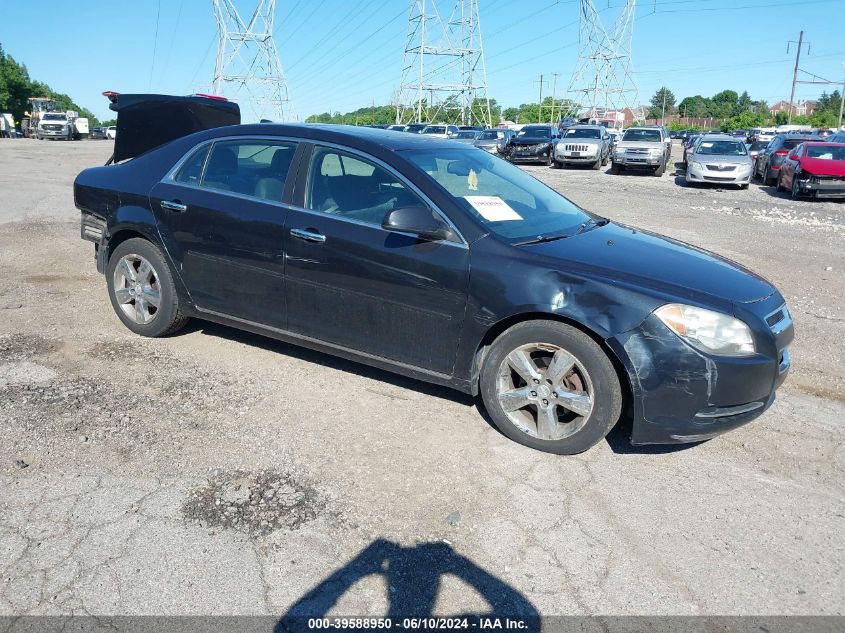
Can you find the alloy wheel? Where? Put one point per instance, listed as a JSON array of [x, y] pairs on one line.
[[545, 391], [136, 288]]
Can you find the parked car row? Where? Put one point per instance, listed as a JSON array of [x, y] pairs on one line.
[[806, 165]]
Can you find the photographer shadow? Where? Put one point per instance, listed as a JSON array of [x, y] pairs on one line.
[[412, 576]]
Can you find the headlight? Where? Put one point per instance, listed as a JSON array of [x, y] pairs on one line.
[[708, 331], [696, 164], [655, 151]]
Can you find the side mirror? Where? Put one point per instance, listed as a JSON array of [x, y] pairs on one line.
[[418, 220]]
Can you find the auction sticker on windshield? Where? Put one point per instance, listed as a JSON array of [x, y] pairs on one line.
[[492, 208]]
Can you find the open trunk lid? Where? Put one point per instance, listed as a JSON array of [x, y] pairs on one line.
[[147, 121]]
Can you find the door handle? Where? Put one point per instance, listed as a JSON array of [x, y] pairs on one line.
[[308, 236], [173, 205]]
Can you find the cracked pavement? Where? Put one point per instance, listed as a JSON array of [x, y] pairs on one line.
[[218, 472]]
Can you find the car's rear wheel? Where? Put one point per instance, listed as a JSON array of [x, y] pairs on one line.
[[549, 386], [142, 290], [779, 183]]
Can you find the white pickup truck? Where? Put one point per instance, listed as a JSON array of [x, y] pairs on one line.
[[64, 125]]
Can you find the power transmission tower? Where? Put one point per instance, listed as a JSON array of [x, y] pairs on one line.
[[443, 73], [603, 85], [248, 69]]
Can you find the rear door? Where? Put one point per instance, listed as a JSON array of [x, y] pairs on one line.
[[222, 218], [353, 284]]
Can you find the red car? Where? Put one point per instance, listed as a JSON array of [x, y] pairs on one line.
[[815, 170]]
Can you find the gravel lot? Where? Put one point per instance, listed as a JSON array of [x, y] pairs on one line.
[[219, 472]]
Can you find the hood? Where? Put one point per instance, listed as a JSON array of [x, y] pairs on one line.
[[645, 144], [580, 141], [823, 167], [649, 260], [530, 140], [721, 159]]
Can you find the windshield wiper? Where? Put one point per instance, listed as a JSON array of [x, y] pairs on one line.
[[540, 239]]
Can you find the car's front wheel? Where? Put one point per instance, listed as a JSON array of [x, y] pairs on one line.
[[142, 290], [549, 386], [796, 190]]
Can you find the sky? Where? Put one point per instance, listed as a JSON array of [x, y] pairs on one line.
[[340, 55]]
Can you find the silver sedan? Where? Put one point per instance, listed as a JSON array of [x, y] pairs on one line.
[[719, 160]]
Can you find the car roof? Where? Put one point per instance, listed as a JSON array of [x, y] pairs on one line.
[[368, 139]]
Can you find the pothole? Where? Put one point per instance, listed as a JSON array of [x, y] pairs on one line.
[[253, 503]]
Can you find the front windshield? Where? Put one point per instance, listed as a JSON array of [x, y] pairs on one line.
[[534, 132], [491, 136], [581, 133], [722, 148], [434, 129], [826, 152], [504, 198], [54, 117], [647, 136]]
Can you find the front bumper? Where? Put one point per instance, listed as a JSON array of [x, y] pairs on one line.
[[52, 133], [702, 174], [682, 395], [823, 188], [519, 154], [638, 160], [589, 156]]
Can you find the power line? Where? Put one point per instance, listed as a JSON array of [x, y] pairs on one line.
[[155, 45]]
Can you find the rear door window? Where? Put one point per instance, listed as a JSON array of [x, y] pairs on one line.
[[191, 171], [256, 168]]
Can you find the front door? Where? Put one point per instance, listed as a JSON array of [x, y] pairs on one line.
[[222, 220], [356, 285]]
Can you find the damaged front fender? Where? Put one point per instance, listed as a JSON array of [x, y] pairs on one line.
[[683, 395]]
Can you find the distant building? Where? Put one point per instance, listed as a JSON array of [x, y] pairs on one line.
[[615, 118], [801, 108]]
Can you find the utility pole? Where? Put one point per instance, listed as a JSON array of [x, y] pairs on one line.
[[663, 111], [554, 97], [540, 103], [841, 103], [795, 74]]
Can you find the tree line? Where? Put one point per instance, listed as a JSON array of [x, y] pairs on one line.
[[16, 88], [739, 111]]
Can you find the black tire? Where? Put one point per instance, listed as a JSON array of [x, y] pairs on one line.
[[604, 161], [795, 193], [606, 395], [168, 316], [597, 165], [660, 169], [551, 159], [556, 165], [768, 180], [614, 168], [779, 184]]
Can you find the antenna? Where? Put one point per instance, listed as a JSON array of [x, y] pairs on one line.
[[443, 72], [248, 69], [603, 81]]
